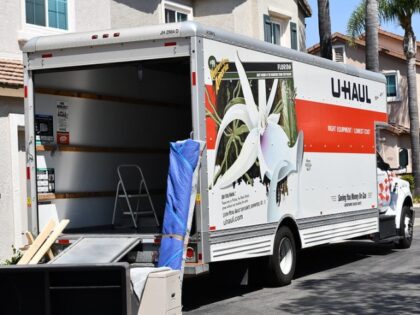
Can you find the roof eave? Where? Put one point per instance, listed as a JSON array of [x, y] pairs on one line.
[[304, 5]]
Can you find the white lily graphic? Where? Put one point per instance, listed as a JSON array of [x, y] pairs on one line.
[[266, 140]]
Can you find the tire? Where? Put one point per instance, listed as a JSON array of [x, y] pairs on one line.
[[406, 228], [282, 264]]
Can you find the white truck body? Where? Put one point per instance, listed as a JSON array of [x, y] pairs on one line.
[[290, 137]]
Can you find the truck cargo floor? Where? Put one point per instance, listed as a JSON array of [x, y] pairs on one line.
[[96, 250]]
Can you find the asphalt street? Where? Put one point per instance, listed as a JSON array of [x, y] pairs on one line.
[[355, 277]]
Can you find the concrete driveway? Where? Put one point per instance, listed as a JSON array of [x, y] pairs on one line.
[[355, 277]]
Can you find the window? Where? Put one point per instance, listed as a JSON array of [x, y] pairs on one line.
[[271, 31], [172, 16], [339, 54], [174, 12], [293, 36], [49, 13], [392, 86]]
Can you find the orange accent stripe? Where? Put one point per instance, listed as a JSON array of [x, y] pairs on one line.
[[211, 127], [337, 129]]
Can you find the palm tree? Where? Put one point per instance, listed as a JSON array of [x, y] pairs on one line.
[[400, 11], [365, 18], [372, 24], [324, 26]]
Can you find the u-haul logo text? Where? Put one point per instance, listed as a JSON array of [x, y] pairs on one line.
[[350, 91]]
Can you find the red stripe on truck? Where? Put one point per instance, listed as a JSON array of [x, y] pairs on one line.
[[193, 78], [211, 126], [337, 129]]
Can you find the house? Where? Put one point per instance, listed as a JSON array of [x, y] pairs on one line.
[[280, 22], [392, 64]]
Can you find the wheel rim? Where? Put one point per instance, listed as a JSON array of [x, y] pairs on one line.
[[408, 226], [286, 256]]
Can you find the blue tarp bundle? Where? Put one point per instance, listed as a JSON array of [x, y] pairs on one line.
[[183, 160]]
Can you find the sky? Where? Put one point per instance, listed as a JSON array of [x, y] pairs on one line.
[[340, 11]]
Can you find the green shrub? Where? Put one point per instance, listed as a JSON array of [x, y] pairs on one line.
[[410, 179], [17, 255]]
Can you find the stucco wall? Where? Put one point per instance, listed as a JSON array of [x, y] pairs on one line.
[[302, 32], [223, 14], [397, 111], [287, 10], [246, 17], [92, 15], [14, 32], [130, 13], [10, 23], [394, 44], [7, 105]]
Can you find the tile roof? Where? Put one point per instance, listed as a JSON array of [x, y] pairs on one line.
[[361, 42], [395, 36], [11, 73]]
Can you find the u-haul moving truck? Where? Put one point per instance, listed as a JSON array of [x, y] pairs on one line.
[[290, 159]]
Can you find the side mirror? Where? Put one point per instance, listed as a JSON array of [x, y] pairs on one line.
[[403, 157]]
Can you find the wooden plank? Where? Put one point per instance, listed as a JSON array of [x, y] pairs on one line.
[[49, 242], [27, 256], [89, 194], [101, 97], [72, 195], [30, 239], [97, 149]]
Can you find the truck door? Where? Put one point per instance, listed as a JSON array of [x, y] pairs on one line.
[[383, 175]]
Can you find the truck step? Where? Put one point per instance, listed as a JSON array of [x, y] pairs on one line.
[[387, 226], [389, 239]]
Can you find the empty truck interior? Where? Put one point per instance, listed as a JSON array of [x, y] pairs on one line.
[[91, 120]]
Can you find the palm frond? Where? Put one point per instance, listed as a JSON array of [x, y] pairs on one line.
[[356, 23], [399, 11]]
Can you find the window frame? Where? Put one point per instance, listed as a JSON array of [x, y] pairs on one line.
[[166, 4], [344, 53], [29, 30], [269, 19], [396, 73]]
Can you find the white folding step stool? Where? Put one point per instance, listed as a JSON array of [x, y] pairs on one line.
[[124, 194]]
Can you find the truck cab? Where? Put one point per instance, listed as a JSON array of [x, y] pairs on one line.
[[396, 216]]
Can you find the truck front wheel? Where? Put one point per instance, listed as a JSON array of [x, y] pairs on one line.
[[406, 228], [283, 261]]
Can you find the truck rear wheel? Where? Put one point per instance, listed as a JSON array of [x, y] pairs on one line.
[[406, 228], [283, 261]]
